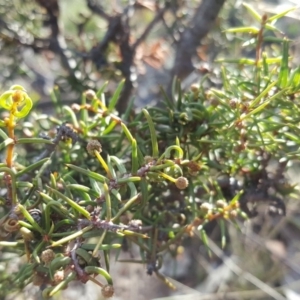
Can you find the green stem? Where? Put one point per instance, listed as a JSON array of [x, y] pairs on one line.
[[152, 133]]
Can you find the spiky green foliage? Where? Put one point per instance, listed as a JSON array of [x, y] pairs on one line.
[[84, 179]]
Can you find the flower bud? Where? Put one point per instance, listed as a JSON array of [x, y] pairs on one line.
[[107, 291], [90, 95], [205, 207], [47, 256], [135, 223], [92, 146], [181, 183], [233, 103], [233, 214], [76, 107], [59, 276], [221, 203], [194, 166], [195, 87]]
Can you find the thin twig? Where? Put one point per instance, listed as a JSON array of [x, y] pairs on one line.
[[96, 8], [158, 17]]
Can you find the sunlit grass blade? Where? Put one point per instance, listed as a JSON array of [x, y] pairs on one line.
[[262, 94], [71, 236], [134, 156], [113, 101], [284, 68], [204, 239], [32, 167], [294, 80], [88, 173], [223, 233], [252, 12], [263, 105], [91, 247], [169, 104], [102, 89], [152, 134], [7, 142], [280, 15], [249, 30], [72, 203]]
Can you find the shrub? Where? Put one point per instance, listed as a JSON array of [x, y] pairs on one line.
[[81, 182]]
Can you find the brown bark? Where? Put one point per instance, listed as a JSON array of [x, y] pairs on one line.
[[190, 39]]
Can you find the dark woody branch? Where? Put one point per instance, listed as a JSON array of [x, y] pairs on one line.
[[119, 33], [55, 45], [97, 9], [203, 20]]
